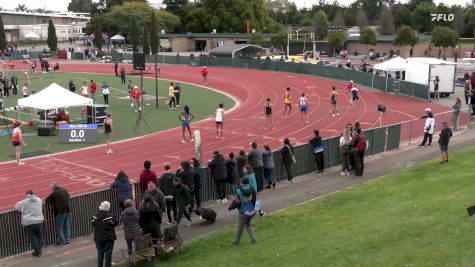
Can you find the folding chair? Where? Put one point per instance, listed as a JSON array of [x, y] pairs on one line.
[[144, 250], [171, 241]]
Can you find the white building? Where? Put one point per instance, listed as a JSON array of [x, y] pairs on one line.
[[18, 24]]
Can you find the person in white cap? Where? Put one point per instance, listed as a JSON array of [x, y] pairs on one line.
[[348, 88], [104, 223], [135, 97], [429, 128], [204, 73]]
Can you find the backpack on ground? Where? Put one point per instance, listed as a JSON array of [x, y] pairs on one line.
[[207, 214], [362, 144]]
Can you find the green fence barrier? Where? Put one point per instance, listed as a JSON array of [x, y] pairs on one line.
[[378, 140], [394, 136], [78, 56]]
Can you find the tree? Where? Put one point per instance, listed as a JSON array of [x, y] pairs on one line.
[[349, 16], [362, 19], [444, 37], [154, 39], [336, 40], [338, 20], [402, 16], [320, 24], [21, 8], [386, 22], [104, 6], [368, 37], [280, 39], [459, 23], [134, 35], [98, 34], [420, 17], [176, 7], [405, 36], [52, 39], [256, 39], [145, 42], [83, 6], [3, 37]]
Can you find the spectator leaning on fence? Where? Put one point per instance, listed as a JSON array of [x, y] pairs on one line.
[[196, 182], [268, 159], [32, 219], [219, 175], [123, 188], [130, 220], [288, 159], [345, 147], [104, 223], [317, 145], [255, 160], [456, 113], [167, 188], [59, 198]]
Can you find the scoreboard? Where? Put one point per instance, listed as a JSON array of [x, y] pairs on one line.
[[77, 133]]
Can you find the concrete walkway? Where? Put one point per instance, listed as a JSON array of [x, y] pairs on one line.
[[82, 252]]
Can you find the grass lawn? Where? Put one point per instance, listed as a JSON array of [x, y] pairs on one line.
[[202, 104], [415, 217]]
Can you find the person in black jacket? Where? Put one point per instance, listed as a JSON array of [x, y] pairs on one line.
[[241, 161], [287, 159], [255, 160], [196, 183], [130, 220], [14, 82], [123, 188], [317, 145], [104, 224], [219, 175], [444, 138], [232, 171], [59, 198], [182, 197], [166, 186], [150, 218], [185, 173]]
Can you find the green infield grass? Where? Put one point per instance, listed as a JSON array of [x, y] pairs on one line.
[[202, 103]]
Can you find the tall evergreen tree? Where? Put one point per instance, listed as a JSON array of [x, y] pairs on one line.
[[320, 24], [145, 41], [368, 37], [362, 19], [98, 34], [134, 35], [154, 40], [3, 37], [52, 39], [338, 21], [386, 22]]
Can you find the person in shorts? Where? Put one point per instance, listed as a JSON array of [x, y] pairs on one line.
[[444, 138], [108, 130], [303, 106], [17, 141], [25, 90], [354, 92], [204, 73], [287, 103], [268, 114], [135, 96], [333, 96], [186, 117], [219, 118]]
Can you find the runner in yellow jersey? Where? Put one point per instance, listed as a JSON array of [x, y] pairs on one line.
[[288, 103]]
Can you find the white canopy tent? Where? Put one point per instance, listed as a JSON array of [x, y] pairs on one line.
[[54, 97], [117, 38], [32, 35], [395, 64]]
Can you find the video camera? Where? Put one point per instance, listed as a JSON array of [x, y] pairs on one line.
[[382, 108]]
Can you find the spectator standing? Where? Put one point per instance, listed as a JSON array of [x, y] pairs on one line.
[[116, 68], [14, 82], [245, 194], [241, 161], [182, 197], [472, 101], [204, 73], [219, 175], [32, 220], [123, 188], [122, 75], [84, 90], [105, 93], [456, 113], [257, 164], [72, 86], [268, 160], [288, 159], [150, 218], [104, 223], [250, 176], [467, 92], [232, 171], [177, 92], [444, 138], [59, 198], [359, 146], [345, 147], [171, 95], [25, 90], [436, 88], [195, 192], [185, 173], [130, 219], [428, 128], [166, 186], [318, 149], [146, 176], [93, 91]]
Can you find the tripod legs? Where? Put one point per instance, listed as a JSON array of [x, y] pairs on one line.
[[139, 119]]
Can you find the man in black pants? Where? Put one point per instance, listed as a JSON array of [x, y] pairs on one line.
[[167, 188], [359, 146], [122, 75], [116, 68], [219, 175], [14, 82], [177, 92], [257, 164], [316, 142], [32, 219]]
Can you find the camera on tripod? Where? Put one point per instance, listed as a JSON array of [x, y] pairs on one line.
[[382, 108]]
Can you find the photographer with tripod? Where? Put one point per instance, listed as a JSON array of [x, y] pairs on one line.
[[17, 141]]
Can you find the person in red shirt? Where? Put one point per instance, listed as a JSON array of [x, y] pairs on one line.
[[472, 54], [135, 95], [146, 176], [204, 73], [93, 91], [348, 88]]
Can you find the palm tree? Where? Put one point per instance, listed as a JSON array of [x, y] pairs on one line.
[[21, 8]]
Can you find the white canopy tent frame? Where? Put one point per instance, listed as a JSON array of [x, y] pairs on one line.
[[395, 64]]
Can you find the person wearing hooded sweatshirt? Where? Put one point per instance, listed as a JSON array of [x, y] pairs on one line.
[[32, 219], [219, 175], [245, 193], [429, 127], [166, 186], [123, 188], [250, 176], [185, 173], [182, 197], [232, 171], [104, 223], [150, 218], [59, 198], [130, 220]]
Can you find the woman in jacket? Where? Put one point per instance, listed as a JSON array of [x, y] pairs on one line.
[[456, 113], [130, 220], [288, 159], [123, 188], [345, 148], [196, 183], [241, 161], [150, 218], [185, 173], [219, 175], [232, 171], [250, 176], [268, 160], [104, 224]]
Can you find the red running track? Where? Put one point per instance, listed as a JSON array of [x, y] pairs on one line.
[[90, 169]]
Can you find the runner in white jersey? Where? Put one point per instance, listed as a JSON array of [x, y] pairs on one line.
[[219, 120], [303, 106]]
